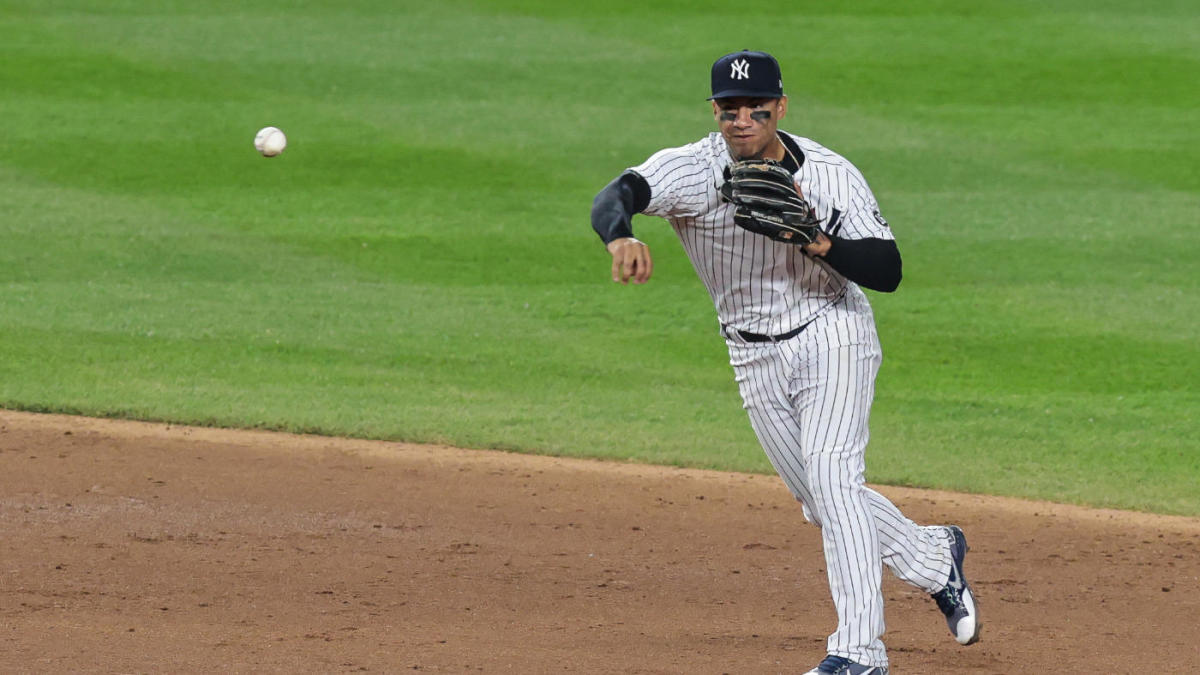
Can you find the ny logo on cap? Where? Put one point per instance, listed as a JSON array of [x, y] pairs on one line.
[[741, 70]]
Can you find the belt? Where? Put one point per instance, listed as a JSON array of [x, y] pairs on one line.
[[759, 337]]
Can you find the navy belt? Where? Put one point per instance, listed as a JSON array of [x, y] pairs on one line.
[[759, 337]]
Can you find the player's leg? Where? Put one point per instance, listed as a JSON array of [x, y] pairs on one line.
[[915, 554], [762, 376], [831, 392], [930, 558], [833, 395], [918, 555]]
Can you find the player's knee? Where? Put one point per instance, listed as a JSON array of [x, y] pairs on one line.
[[831, 473]]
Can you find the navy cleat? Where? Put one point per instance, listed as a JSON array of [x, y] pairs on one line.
[[956, 600], [838, 665]]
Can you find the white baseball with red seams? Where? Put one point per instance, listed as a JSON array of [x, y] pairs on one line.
[[270, 141]]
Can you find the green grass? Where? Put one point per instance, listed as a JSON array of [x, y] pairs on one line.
[[418, 265]]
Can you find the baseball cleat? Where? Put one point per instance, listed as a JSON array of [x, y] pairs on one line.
[[956, 600], [838, 665]]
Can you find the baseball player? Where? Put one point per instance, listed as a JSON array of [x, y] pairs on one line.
[[784, 233]]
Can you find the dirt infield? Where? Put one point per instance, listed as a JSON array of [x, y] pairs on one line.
[[130, 547]]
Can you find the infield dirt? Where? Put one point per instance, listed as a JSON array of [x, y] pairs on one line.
[[135, 547]]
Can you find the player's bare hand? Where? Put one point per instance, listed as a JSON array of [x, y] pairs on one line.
[[819, 247], [630, 260]]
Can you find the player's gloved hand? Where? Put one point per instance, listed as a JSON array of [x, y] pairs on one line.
[[768, 203]]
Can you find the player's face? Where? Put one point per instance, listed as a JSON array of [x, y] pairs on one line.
[[749, 124]]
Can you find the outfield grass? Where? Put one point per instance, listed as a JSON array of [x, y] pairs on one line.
[[418, 265]]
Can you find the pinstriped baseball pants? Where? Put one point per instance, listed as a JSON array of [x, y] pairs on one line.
[[809, 400]]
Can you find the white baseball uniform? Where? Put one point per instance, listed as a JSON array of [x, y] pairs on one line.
[[808, 397]]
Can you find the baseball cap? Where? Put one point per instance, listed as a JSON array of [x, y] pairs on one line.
[[746, 73]]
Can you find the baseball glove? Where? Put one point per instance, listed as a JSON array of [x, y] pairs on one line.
[[768, 203]]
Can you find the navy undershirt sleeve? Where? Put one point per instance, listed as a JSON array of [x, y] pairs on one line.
[[872, 263], [613, 208]]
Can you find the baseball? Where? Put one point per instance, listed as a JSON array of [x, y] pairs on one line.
[[270, 141]]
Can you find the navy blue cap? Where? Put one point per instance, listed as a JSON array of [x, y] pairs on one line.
[[746, 73]]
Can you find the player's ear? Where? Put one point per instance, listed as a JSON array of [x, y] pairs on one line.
[[716, 111], [781, 107]]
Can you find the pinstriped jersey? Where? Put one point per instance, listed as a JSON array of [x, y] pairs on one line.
[[757, 284]]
